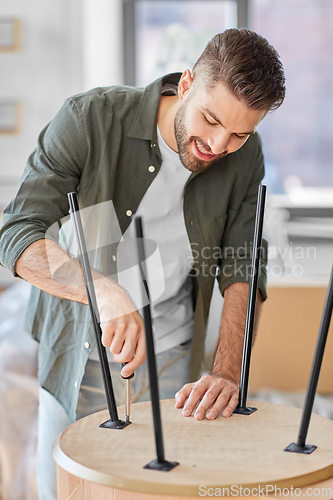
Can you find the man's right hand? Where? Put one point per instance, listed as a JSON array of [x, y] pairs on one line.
[[122, 326]]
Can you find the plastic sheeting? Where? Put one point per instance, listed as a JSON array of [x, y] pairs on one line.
[[323, 404], [18, 398]]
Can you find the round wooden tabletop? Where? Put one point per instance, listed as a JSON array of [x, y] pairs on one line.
[[240, 451]]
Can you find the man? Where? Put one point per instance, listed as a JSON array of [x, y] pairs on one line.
[[190, 162]]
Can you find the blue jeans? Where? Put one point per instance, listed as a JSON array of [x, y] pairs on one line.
[[173, 368]]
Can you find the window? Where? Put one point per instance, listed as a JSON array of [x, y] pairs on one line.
[[298, 137], [164, 36]]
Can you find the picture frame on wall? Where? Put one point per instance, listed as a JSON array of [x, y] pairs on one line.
[[10, 118], [165, 36], [10, 34]]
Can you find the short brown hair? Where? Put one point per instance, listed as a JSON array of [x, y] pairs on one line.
[[247, 64]]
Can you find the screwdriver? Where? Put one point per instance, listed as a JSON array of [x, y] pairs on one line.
[[127, 394]]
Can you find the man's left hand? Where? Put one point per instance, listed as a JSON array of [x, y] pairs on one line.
[[214, 392]]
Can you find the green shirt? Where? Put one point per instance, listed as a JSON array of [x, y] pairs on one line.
[[101, 144]]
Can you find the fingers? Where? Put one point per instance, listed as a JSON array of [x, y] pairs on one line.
[[212, 400], [108, 331], [118, 339], [122, 326], [231, 406], [227, 400], [183, 394], [198, 390], [138, 360], [207, 397], [126, 340]]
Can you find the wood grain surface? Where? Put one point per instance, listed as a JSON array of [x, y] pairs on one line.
[[74, 488], [242, 450]]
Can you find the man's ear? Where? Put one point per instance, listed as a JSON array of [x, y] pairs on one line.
[[185, 84]]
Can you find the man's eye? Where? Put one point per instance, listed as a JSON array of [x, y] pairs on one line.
[[240, 136], [210, 123]]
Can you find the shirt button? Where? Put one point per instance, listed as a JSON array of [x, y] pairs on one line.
[[86, 345], [151, 168], [129, 213], [191, 222], [76, 384], [114, 258]]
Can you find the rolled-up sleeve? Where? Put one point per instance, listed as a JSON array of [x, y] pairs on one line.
[[238, 238], [53, 169]]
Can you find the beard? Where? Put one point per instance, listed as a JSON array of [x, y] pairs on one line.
[[184, 143]]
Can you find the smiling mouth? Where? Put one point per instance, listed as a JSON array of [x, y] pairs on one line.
[[202, 153], [203, 150]]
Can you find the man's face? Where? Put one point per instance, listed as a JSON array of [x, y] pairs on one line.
[[210, 124]]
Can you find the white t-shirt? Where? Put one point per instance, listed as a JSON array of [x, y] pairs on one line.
[[168, 268]]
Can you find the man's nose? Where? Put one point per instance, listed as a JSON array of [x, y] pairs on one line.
[[218, 143]]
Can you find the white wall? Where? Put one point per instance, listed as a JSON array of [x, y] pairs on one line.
[[40, 76], [102, 43], [68, 46]]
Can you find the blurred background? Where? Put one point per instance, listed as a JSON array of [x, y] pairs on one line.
[[50, 50]]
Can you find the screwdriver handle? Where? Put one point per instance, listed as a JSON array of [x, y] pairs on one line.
[[126, 378]]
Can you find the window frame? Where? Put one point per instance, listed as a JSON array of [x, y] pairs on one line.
[[129, 52]]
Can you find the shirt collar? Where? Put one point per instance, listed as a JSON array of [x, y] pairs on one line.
[[145, 122]]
